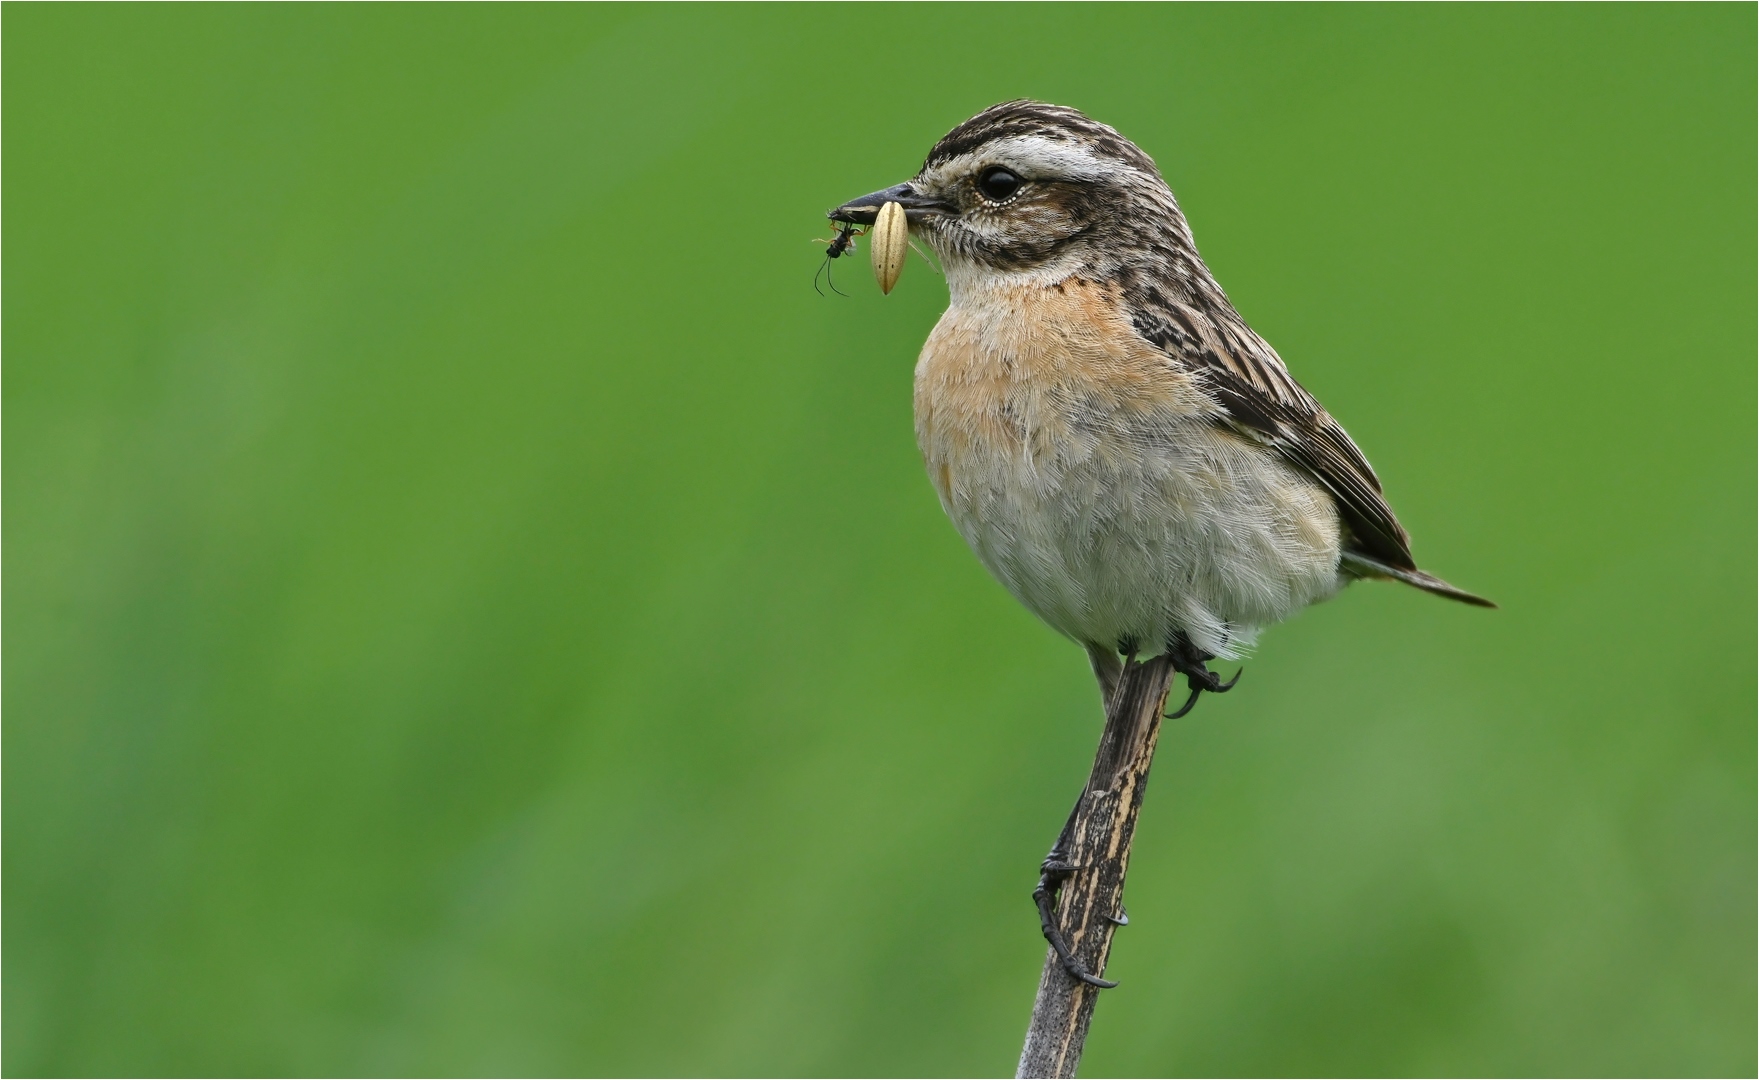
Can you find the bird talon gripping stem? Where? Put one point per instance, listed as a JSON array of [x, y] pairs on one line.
[[1044, 895], [1190, 703]]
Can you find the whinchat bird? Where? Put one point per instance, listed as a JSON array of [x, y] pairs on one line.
[[1118, 447]]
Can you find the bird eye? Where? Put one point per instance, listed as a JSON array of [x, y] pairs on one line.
[[997, 184]]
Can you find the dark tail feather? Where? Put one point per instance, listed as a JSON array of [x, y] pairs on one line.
[[1363, 566]]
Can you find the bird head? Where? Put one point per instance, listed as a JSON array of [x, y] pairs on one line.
[[1026, 190]]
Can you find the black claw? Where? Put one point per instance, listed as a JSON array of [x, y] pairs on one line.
[[1192, 662], [1190, 703], [1051, 874], [1201, 678]]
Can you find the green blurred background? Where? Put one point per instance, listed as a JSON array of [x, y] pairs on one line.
[[472, 608]]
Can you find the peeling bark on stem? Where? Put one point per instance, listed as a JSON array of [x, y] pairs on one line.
[[1104, 822]]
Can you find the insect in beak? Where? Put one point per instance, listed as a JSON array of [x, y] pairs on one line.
[[840, 245]]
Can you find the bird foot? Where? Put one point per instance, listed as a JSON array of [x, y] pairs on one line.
[[1051, 876], [1190, 662]]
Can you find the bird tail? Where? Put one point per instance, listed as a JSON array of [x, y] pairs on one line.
[[1363, 566]]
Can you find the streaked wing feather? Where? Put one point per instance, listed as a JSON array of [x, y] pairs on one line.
[[1264, 402]]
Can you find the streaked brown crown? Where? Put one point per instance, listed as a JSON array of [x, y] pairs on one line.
[[1025, 117]]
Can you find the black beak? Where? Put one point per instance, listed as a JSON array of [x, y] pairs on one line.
[[862, 211]]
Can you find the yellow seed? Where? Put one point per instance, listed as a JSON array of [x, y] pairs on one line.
[[889, 243]]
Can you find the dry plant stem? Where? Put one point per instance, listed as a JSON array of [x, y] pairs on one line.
[[1104, 822]]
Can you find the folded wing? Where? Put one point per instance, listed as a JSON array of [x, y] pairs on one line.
[[1260, 400]]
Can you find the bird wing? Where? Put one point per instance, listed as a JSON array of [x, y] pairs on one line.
[[1262, 401]]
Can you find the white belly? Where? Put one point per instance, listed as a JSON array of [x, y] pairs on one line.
[[1089, 477]]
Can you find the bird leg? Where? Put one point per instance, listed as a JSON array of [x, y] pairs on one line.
[[1107, 669], [1189, 661], [1055, 870]]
